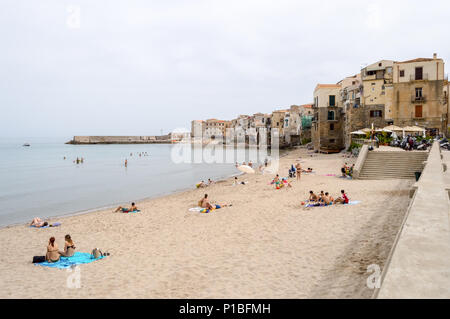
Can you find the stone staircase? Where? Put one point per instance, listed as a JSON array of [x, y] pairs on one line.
[[393, 165]]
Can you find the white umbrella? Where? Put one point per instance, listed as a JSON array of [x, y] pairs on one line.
[[393, 128], [383, 130], [246, 169], [358, 133]]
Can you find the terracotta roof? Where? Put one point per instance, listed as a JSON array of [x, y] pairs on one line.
[[307, 105], [418, 60]]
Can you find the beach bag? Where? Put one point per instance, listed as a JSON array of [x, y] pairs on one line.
[[38, 259], [96, 253]]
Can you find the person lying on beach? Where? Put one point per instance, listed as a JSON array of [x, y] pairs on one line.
[[201, 185], [312, 196], [124, 210], [37, 222], [52, 255], [286, 182], [69, 247], [236, 182], [309, 170], [343, 199], [204, 203]]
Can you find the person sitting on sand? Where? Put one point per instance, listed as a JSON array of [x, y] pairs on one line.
[[69, 247], [328, 199], [250, 164], [204, 203], [343, 199], [312, 196], [344, 170], [321, 196], [210, 182], [124, 210], [37, 222], [52, 255]]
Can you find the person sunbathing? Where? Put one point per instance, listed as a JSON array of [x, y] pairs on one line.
[[309, 170], [37, 222], [204, 203], [312, 196], [343, 199], [52, 255], [124, 210], [69, 247]]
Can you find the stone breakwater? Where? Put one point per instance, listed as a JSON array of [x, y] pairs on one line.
[[164, 139]]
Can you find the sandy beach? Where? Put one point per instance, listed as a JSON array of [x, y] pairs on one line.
[[265, 246]]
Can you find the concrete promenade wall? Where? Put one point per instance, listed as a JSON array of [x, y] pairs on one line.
[[360, 161], [419, 263]]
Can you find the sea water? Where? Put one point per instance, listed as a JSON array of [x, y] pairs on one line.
[[37, 181]]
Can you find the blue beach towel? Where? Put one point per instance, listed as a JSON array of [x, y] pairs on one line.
[[66, 262], [352, 202], [53, 225]]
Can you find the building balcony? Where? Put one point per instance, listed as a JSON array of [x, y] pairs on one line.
[[416, 77], [335, 104], [418, 99]]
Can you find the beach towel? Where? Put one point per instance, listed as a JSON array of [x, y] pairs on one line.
[[132, 211], [354, 202], [66, 262], [203, 210], [52, 225]]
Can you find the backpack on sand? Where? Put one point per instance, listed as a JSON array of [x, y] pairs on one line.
[[38, 259], [96, 253]]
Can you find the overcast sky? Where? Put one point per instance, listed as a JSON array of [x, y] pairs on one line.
[[139, 67]]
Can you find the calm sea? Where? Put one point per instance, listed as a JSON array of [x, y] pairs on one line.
[[37, 181]]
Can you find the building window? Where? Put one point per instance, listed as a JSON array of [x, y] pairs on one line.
[[419, 73], [332, 127], [418, 110], [402, 73], [376, 113], [418, 93], [332, 100], [330, 115], [332, 140]]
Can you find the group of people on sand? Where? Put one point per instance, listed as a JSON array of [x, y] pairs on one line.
[[297, 170], [202, 184], [325, 199], [280, 182], [347, 171], [53, 253]]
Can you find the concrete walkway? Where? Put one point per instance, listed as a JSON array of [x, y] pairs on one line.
[[419, 265]]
